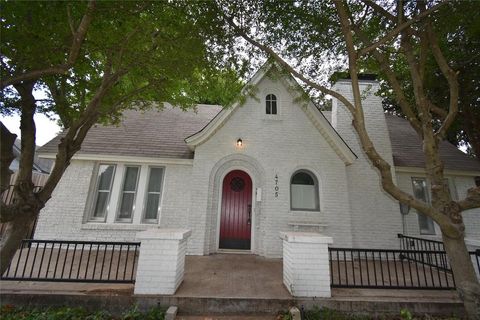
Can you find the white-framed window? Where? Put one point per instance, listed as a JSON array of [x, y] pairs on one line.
[[128, 194], [304, 191], [271, 104], [125, 193], [103, 190], [153, 194], [420, 191]]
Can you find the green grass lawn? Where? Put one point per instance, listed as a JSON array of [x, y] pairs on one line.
[[328, 314], [9, 312]]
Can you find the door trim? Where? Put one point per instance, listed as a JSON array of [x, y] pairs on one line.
[[219, 212]]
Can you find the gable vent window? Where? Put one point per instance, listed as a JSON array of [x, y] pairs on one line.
[[304, 191], [271, 104]]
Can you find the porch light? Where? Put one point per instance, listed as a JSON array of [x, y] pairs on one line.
[[239, 143]]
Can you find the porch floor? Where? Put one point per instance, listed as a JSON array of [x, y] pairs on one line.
[[233, 276]]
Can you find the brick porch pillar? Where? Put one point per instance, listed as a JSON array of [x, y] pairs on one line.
[[161, 264], [306, 270]]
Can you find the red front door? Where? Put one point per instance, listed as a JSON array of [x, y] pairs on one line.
[[235, 220]]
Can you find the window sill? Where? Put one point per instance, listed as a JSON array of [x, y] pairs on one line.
[[306, 212], [308, 225], [118, 226], [272, 118]]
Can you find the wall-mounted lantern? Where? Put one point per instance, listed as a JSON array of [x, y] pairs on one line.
[[239, 143]]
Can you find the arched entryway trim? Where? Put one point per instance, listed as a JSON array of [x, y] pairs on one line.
[[218, 173]]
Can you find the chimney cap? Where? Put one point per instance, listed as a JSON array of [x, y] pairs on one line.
[[344, 75]]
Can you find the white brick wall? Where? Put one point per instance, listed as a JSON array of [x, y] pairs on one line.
[[63, 216], [306, 269], [376, 217], [280, 147], [161, 264], [353, 206]]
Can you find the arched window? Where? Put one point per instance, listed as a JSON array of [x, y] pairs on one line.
[[304, 191], [271, 104]]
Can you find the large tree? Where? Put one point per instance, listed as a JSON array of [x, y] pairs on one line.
[[302, 36], [459, 39], [85, 62]]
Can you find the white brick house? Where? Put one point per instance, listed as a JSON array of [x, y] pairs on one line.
[[238, 176]]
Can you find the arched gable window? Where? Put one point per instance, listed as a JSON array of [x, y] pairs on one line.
[[271, 104], [304, 191]]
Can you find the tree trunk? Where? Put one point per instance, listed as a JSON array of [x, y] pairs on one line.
[[6, 156], [16, 231], [465, 278]]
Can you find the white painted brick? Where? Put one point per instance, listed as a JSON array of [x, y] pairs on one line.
[[160, 271], [352, 204]]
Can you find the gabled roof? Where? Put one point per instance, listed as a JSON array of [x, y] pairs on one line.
[[161, 134], [407, 148], [39, 165], [317, 118], [152, 133]]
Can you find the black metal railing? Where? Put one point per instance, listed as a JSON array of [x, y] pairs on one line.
[[378, 268], [394, 269], [74, 261], [414, 243]]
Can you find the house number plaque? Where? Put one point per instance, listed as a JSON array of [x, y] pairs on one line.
[[276, 186]]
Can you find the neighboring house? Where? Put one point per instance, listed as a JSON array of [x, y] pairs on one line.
[[238, 176], [40, 173], [41, 167]]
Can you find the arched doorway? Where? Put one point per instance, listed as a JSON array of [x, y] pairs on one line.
[[236, 211]]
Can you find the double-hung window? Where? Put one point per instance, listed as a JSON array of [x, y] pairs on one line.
[[153, 194], [420, 192], [103, 191], [128, 194]]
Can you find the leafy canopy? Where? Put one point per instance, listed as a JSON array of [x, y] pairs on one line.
[[158, 50]]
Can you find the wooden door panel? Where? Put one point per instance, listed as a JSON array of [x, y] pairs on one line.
[[235, 220]]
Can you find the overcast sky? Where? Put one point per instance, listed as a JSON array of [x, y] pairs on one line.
[[46, 128]]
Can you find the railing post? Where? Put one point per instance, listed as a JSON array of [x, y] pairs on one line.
[[306, 268], [161, 263]]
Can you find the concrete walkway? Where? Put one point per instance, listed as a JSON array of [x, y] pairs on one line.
[[233, 276]]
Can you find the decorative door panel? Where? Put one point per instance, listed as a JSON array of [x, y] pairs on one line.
[[236, 215]]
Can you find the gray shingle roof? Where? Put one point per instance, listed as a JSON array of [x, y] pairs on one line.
[[150, 133], [407, 148], [161, 134]]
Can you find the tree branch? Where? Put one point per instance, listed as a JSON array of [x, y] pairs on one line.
[[76, 133], [24, 185], [73, 54], [367, 145], [452, 80], [472, 199], [397, 30], [287, 67], [394, 82]]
